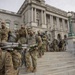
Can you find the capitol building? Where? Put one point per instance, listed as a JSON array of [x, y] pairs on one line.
[[39, 16]]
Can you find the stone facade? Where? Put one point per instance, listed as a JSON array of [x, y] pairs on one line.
[[40, 16], [13, 21]]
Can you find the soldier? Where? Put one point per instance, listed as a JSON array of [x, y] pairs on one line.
[[44, 45], [22, 40], [9, 62], [40, 43], [4, 32], [55, 45], [65, 43], [22, 35], [32, 53], [48, 37]]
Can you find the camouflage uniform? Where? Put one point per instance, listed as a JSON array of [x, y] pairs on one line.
[[4, 34], [62, 45], [6, 63], [22, 36], [55, 45], [40, 46], [44, 46], [31, 63], [22, 40]]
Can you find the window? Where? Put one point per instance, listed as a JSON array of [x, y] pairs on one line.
[[48, 19], [54, 20], [66, 24], [7, 24], [38, 17], [61, 23], [15, 26]]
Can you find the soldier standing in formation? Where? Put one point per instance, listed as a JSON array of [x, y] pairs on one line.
[[40, 50], [22, 39], [8, 59], [33, 51], [22, 35], [8, 63], [4, 32]]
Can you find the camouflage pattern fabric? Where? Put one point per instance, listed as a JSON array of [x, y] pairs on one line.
[[4, 34], [7, 64]]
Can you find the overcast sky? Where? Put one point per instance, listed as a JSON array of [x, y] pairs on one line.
[[14, 5]]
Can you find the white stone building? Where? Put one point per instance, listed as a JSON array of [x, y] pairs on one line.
[[39, 16]]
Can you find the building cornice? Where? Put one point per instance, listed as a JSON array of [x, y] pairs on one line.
[[9, 13], [56, 10], [20, 12], [46, 6]]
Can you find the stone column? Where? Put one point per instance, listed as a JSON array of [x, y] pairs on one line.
[[45, 17], [42, 17], [31, 14], [51, 21], [63, 24], [35, 14], [58, 24]]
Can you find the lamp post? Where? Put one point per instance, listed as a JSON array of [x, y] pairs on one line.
[[71, 45], [70, 23]]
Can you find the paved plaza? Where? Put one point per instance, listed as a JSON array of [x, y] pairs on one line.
[[54, 63]]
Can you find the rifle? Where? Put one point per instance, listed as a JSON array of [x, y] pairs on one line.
[[11, 46], [32, 47]]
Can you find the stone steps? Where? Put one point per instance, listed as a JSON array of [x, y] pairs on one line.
[[57, 64], [54, 63]]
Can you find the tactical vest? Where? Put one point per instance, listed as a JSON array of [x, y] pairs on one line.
[[31, 40]]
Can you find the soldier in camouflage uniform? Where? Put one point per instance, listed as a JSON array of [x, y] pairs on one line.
[[40, 43], [8, 64], [32, 52], [4, 32], [65, 43], [55, 45], [22, 40], [7, 61], [22, 35], [44, 45]]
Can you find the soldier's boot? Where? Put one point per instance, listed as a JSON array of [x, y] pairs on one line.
[[29, 69], [42, 52], [34, 70], [39, 55]]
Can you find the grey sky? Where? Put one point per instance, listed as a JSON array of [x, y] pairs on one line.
[[14, 5]]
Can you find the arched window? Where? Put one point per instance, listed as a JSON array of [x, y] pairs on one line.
[[8, 23], [16, 23]]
